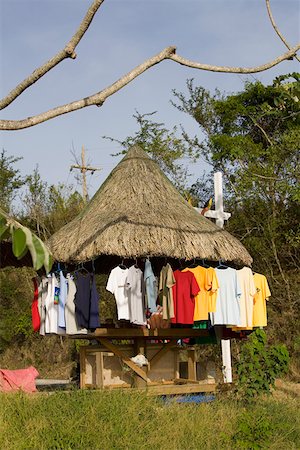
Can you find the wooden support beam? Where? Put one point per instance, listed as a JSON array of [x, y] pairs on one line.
[[126, 360]]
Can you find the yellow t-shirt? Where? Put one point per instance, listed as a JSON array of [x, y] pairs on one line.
[[260, 306], [205, 300], [212, 287]]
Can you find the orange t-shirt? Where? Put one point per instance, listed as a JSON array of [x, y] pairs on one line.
[[205, 300]]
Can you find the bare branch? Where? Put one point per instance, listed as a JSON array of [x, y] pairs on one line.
[[99, 98], [277, 29], [67, 52], [195, 65]]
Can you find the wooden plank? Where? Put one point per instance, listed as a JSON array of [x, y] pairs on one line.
[[99, 369], [180, 389], [155, 358], [114, 348], [131, 333]]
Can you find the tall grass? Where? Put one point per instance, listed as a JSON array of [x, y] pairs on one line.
[[91, 420]]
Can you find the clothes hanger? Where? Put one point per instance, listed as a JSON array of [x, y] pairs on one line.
[[204, 264], [136, 263], [194, 264], [221, 265], [122, 265]]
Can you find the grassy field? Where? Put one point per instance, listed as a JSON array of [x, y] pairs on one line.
[[121, 420]]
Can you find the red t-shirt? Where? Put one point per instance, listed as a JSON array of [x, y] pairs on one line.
[[184, 292], [36, 320]]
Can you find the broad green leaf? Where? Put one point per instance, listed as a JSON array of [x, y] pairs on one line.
[[30, 245], [18, 242], [40, 252]]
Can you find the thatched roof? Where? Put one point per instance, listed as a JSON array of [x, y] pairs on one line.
[[138, 212]]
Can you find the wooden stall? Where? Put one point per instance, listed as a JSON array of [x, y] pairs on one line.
[[106, 363]]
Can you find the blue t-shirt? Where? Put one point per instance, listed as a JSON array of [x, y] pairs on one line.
[[151, 286]]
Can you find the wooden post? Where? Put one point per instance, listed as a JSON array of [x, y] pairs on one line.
[[83, 169], [192, 375]]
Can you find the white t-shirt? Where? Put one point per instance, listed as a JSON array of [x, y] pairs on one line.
[[248, 291], [135, 290], [228, 298], [51, 307], [116, 284]]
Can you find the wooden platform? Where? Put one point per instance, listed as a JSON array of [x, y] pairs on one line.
[[132, 333], [107, 364]]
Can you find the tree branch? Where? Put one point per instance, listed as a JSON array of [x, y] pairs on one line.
[[195, 65], [276, 28], [67, 52], [99, 98]]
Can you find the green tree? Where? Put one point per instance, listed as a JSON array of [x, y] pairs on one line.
[[46, 208], [166, 147], [253, 137], [10, 180]]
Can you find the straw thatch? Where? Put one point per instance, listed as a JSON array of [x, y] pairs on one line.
[[138, 212]]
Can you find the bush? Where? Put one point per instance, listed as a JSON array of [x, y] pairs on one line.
[[260, 365]]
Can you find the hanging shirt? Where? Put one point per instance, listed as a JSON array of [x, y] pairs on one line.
[[248, 291], [43, 291], [227, 305], [70, 315], [212, 286], [94, 321], [166, 282], [207, 282], [150, 285], [116, 285], [35, 315], [262, 294], [184, 291], [62, 299], [134, 288], [82, 299], [51, 306]]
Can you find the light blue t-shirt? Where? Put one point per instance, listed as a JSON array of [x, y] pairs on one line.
[[151, 286], [228, 304]]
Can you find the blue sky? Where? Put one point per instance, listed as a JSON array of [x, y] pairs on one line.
[[123, 34]]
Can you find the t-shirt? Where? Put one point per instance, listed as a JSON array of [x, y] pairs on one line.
[[166, 282], [62, 300], [248, 292], [260, 306], [82, 299], [51, 306], [227, 305], [36, 319], [94, 321], [70, 315], [184, 291], [150, 286], [116, 285], [134, 288], [205, 299], [212, 285], [43, 291]]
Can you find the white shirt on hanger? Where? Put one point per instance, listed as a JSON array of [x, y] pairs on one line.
[[116, 284]]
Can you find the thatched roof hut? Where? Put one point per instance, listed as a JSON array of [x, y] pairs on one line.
[[138, 212]]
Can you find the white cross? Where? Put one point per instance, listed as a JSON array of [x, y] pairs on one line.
[[220, 216], [218, 213]]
